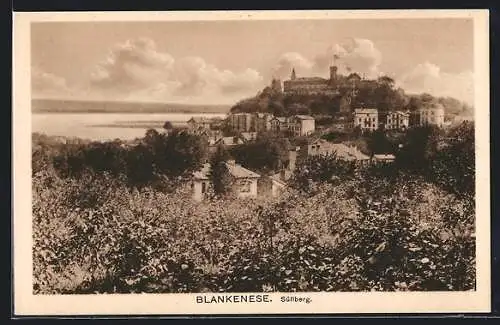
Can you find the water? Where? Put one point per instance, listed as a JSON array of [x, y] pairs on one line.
[[106, 126]]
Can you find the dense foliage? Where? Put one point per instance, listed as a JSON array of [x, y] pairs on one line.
[[340, 229], [155, 158], [268, 153]]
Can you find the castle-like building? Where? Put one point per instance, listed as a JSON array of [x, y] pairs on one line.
[[311, 85]]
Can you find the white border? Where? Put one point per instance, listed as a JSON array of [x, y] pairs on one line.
[[25, 303]]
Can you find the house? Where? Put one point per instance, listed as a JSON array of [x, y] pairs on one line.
[[249, 136], [241, 122], [279, 124], [397, 120], [270, 186], [245, 185], [384, 158], [431, 116], [230, 141], [301, 125], [341, 150], [262, 122], [199, 123], [366, 118]]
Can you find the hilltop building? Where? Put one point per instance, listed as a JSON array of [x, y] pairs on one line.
[[311, 85]]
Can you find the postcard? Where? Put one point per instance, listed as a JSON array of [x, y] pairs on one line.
[[251, 162]]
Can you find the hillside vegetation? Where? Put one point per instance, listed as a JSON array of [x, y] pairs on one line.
[[409, 226], [381, 94]]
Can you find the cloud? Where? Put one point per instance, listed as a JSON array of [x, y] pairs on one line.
[[45, 84], [428, 77], [289, 61], [137, 68], [355, 54]]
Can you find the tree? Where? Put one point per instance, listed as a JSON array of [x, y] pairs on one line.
[[378, 143], [419, 147], [267, 154], [221, 178], [168, 125], [179, 153]]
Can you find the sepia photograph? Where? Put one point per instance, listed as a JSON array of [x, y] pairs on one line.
[[254, 160]]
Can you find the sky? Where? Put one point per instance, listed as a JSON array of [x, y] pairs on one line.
[[220, 62]]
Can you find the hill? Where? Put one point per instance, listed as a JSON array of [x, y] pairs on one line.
[[380, 93]]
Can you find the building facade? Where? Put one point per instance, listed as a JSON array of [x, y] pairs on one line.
[[245, 181], [196, 123], [301, 125], [311, 85], [397, 120], [366, 119], [241, 122], [431, 116], [262, 122], [279, 124]]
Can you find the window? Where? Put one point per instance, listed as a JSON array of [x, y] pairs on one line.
[[203, 187], [245, 186]]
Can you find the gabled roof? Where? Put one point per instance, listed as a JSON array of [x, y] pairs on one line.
[[384, 156], [304, 117], [341, 150], [280, 119], [230, 140], [234, 169], [365, 111], [199, 119], [249, 135]]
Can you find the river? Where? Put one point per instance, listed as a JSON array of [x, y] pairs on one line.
[[105, 126]]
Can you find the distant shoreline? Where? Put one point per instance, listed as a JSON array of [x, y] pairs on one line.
[[55, 106], [122, 112]]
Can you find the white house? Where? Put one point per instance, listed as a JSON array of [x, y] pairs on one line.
[[245, 181], [341, 150], [397, 120], [301, 125], [366, 118], [431, 116]]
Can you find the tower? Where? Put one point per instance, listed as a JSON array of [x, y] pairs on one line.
[[333, 74], [293, 76], [276, 85]]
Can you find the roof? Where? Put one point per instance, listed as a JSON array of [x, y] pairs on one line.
[[261, 115], [277, 178], [230, 140], [366, 110], [235, 170], [281, 119], [384, 156], [402, 113], [197, 119], [304, 117], [310, 79], [341, 150], [249, 135]]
